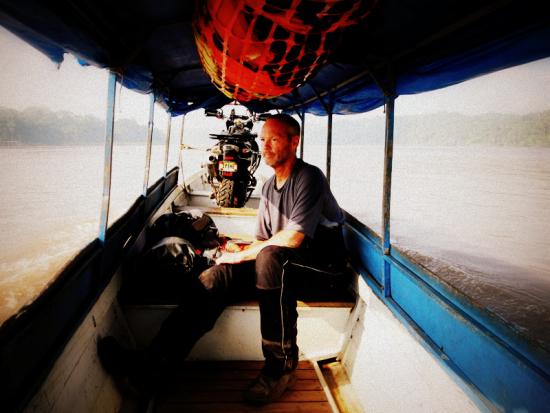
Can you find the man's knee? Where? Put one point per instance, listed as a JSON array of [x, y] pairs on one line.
[[270, 263], [271, 254], [215, 278]]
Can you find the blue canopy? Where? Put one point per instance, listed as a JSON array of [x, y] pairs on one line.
[[400, 48]]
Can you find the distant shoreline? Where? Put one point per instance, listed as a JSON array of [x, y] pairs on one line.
[[40, 126], [62, 145]]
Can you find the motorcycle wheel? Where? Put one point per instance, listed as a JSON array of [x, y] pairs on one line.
[[230, 194]]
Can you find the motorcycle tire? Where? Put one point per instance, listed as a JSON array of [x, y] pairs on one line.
[[230, 194]]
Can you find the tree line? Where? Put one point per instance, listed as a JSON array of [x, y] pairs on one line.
[[41, 126], [449, 129]]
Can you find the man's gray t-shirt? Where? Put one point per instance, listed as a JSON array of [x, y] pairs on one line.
[[304, 202]]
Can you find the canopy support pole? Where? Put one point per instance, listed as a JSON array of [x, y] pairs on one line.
[[302, 115], [150, 126], [108, 158], [180, 156], [329, 137], [167, 144], [386, 199], [328, 109]]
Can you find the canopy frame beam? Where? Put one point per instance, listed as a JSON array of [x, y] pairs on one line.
[[180, 154], [386, 197], [167, 144], [108, 158], [328, 109], [302, 115], [150, 127]]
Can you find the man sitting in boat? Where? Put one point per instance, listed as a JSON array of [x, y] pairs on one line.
[[299, 247]]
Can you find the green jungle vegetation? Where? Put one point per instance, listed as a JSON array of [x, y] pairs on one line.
[[41, 126], [448, 129]]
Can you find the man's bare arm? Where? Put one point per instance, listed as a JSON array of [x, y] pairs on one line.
[[284, 238]]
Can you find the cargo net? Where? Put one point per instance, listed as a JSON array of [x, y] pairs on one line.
[[259, 49]]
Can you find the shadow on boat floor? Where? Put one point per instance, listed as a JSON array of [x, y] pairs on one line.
[[218, 386]]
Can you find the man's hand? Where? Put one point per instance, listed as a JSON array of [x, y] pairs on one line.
[[284, 238], [230, 258], [231, 246]]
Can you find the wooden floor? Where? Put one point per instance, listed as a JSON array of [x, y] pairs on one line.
[[340, 387], [218, 387]]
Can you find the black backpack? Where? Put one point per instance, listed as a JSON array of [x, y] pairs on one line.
[[194, 226], [172, 258]]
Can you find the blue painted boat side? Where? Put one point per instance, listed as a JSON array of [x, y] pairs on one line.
[[508, 336], [511, 375], [369, 258]]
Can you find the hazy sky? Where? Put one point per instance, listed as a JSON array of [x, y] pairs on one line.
[[28, 78]]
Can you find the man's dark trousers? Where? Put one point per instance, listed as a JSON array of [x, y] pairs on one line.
[[279, 276]]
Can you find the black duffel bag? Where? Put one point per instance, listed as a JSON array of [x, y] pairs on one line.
[[198, 228], [173, 256]]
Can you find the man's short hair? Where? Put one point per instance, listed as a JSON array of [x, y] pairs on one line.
[[292, 125]]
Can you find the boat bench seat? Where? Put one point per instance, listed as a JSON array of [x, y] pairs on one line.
[[323, 328], [323, 325]]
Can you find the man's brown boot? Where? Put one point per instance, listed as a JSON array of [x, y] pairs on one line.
[[265, 389]]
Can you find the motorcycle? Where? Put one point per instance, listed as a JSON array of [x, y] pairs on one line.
[[233, 161]]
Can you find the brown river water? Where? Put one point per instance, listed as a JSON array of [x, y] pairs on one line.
[[477, 216]]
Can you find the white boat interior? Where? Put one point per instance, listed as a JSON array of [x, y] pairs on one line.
[[400, 338], [363, 355]]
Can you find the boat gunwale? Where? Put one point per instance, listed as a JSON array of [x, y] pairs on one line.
[[501, 331]]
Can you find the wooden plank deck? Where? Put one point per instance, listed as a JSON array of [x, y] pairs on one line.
[[340, 387], [217, 386]]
